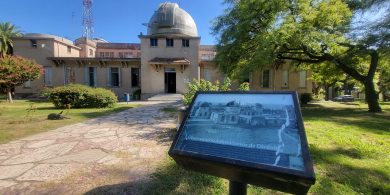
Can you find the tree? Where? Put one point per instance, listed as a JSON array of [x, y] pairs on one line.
[[7, 32], [384, 78], [258, 33], [326, 76], [15, 71]]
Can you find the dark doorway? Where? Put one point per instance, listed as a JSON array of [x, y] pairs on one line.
[[170, 82]]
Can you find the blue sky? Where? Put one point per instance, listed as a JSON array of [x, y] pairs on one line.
[[115, 20]]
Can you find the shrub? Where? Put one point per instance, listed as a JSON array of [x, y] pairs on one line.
[[137, 94], [80, 96], [244, 86], [305, 98], [203, 85]]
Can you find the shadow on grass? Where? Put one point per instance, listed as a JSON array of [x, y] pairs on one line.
[[361, 180], [104, 113], [359, 117], [169, 179]]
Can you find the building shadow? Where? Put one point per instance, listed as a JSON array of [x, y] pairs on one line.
[[373, 122], [362, 180], [169, 179]]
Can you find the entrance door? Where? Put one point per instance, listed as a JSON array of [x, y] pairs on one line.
[[170, 82]]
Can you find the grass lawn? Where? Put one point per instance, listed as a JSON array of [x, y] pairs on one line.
[[349, 146], [24, 117]]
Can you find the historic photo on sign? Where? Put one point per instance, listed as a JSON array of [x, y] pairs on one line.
[[258, 128]]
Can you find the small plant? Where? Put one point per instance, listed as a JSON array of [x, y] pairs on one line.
[[137, 94], [203, 85], [306, 98], [30, 111], [244, 86]]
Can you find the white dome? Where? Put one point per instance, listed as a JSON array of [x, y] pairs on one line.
[[171, 19]]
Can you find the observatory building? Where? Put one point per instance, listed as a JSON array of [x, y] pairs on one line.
[[167, 58]]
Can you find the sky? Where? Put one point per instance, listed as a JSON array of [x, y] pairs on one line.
[[114, 20]]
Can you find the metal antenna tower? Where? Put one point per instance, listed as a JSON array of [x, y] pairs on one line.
[[87, 19]]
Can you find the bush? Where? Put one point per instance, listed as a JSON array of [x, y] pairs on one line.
[[306, 98], [203, 85], [81, 96], [137, 94], [244, 86]]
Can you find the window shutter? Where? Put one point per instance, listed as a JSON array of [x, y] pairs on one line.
[[120, 76], [86, 75], [95, 76], [108, 77]]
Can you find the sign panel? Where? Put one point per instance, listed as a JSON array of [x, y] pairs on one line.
[[232, 134]]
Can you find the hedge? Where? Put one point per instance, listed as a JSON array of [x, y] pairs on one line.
[[81, 96]]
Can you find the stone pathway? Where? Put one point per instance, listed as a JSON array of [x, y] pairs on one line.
[[134, 135]]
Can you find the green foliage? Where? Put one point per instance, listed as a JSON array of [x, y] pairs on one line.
[[203, 85], [244, 86], [137, 94], [7, 32], [81, 96], [305, 98], [15, 71], [257, 33]]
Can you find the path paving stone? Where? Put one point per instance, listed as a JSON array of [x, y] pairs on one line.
[[47, 172], [14, 170], [41, 154], [131, 138], [7, 183], [85, 156], [39, 144]]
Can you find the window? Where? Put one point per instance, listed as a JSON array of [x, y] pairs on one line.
[[135, 77], [153, 42], [34, 43], [111, 54], [101, 54], [27, 84], [302, 78], [169, 42], [69, 75], [285, 78], [90, 52], [206, 75], [266, 79], [69, 49], [114, 77], [47, 76], [185, 43], [92, 76]]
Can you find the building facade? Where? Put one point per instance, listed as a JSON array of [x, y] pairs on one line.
[[168, 57]]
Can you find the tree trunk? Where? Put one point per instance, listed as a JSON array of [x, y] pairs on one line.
[[9, 96], [327, 93], [371, 96]]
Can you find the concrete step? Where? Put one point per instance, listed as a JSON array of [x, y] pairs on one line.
[[166, 97]]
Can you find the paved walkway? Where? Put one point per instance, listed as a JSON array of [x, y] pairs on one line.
[[136, 136]]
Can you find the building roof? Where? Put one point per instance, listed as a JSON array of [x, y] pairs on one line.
[[169, 61], [133, 46], [101, 61], [40, 36], [207, 48], [170, 19]]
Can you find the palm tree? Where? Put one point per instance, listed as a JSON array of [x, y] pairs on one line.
[[7, 32]]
